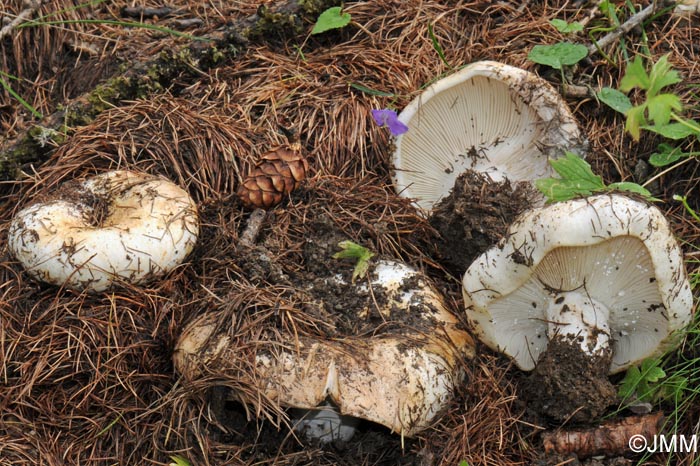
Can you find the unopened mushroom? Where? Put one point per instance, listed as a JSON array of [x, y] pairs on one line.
[[117, 226], [488, 117], [603, 275], [402, 376]]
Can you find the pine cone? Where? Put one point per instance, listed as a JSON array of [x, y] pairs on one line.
[[278, 173]]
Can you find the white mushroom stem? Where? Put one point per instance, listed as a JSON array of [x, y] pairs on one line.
[[575, 315]]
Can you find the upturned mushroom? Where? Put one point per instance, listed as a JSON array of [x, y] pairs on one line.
[[119, 226], [488, 117], [401, 376], [601, 277]]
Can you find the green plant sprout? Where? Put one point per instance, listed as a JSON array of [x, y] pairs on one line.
[[361, 254], [16, 96], [332, 18], [436, 45], [560, 54], [577, 179], [657, 107], [178, 460], [684, 200], [642, 381], [566, 28]]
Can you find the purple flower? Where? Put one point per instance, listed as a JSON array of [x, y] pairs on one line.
[[388, 118]]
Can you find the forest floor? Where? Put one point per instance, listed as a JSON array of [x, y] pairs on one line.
[[197, 92]]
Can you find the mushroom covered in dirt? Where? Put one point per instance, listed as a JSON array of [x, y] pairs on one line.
[[400, 374], [599, 280], [116, 226], [488, 117]]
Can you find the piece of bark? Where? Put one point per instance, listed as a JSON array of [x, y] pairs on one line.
[[610, 438]]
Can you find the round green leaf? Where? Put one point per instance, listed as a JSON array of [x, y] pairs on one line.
[[558, 55], [332, 18], [615, 99]]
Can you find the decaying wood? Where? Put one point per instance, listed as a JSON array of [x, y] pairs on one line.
[[610, 438], [151, 75], [252, 229]]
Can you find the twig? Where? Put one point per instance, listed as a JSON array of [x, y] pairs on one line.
[[144, 12], [32, 7], [624, 28], [252, 228]]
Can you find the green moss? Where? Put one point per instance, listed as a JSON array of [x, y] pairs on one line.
[[316, 7], [276, 24], [35, 147]]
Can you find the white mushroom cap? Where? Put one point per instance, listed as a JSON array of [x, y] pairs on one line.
[[618, 253], [119, 225], [489, 117], [686, 7], [401, 380]]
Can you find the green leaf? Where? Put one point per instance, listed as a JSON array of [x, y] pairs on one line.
[[332, 18], [635, 76], [558, 55], [651, 371], [673, 131], [635, 120], [630, 187], [370, 91], [179, 461], [566, 28], [437, 46], [662, 75], [666, 156], [19, 98], [660, 107], [629, 384], [615, 99], [574, 168], [577, 179], [361, 254]]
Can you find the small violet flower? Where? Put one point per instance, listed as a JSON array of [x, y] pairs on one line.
[[388, 118]]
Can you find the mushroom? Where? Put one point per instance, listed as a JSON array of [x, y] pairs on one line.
[[606, 269], [116, 226], [401, 376], [488, 117], [603, 275], [686, 8]]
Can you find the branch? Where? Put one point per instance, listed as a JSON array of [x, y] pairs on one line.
[[632, 22]]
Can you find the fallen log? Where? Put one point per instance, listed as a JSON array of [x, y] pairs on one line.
[[152, 75]]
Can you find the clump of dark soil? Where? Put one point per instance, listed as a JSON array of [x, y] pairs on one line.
[[324, 284], [475, 216], [568, 384]]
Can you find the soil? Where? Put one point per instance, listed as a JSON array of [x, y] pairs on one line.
[[569, 385], [325, 285], [475, 216]]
